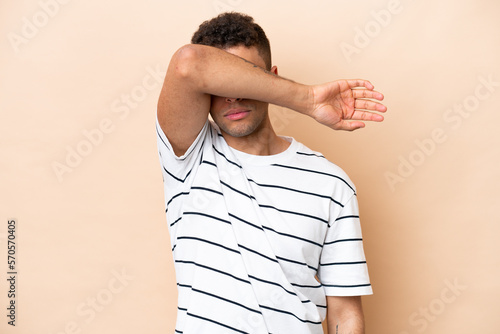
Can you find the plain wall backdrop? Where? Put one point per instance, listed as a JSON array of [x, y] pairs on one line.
[[79, 83]]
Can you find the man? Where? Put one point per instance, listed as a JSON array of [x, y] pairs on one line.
[[265, 232]]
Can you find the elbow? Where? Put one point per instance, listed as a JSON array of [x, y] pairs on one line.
[[185, 61]]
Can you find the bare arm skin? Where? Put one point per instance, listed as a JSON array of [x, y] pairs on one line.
[[196, 72], [345, 315]]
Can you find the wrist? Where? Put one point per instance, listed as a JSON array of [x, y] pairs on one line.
[[309, 101], [302, 99]]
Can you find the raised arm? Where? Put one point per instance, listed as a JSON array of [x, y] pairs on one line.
[[196, 72]]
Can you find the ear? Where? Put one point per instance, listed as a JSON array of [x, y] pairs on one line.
[[274, 70]]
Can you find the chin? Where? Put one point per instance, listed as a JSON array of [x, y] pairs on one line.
[[238, 130]]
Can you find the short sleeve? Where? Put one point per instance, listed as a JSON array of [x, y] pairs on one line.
[[343, 270], [176, 169]]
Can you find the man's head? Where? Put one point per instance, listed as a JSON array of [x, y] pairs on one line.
[[238, 34], [234, 29]]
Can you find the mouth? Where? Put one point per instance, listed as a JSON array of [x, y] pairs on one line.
[[236, 114]]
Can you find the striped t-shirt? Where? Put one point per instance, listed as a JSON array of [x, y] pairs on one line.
[[259, 241]]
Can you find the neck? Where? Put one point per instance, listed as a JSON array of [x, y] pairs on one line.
[[263, 141]]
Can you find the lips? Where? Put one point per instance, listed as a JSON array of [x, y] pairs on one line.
[[236, 114]]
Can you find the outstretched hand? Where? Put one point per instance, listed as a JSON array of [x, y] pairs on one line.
[[343, 104]]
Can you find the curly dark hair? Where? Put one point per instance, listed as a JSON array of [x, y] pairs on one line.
[[234, 29]]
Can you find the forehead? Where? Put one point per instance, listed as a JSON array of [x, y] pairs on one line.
[[249, 53]]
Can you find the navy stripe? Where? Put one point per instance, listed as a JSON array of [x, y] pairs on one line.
[[342, 240], [159, 136], [221, 154], [294, 213], [208, 216], [296, 262], [246, 222], [292, 236], [227, 300], [290, 313], [207, 189], [341, 263], [273, 186], [311, 154], [175, 177], [175, 221], [277, 257], [272, 207], [208, 163], [316, 172], [250, 276], [209, 242], [216, 322], [346, 286], [164, 143], [188, 173], [175, 196], [270, 229], [213, 269], [345, 217], [274, 283], [307, 286], [187, 193], [237, 278], [296, 190], [255, 252], [236, 190]]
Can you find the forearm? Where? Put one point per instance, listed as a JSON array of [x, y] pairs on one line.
[[345, 315], [347, 326], [217, 72]]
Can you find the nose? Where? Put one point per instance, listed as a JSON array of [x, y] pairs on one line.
[[233, 99]]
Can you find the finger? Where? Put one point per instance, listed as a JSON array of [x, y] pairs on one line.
[[360, 83], [369, 105], [348, 126], [367, 94], [360, 115]]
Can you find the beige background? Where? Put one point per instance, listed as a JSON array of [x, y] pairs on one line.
[[431, 230]]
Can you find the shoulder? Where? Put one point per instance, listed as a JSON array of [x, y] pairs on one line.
[[208, 133], [326, 170]]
